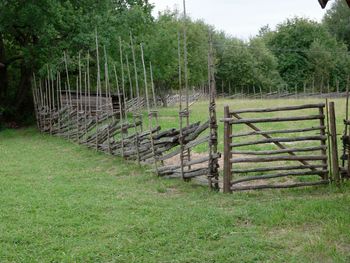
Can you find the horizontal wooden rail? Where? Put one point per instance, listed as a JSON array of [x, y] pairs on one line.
[[276, 119], [274, 140], [278, 186], [278, 131], [165, 169], [289, 108], [187, 146], [277, 175], [278, 158], [272, 152], [279, 168]]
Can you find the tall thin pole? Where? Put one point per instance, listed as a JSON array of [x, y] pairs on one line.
[[180, 70], [152, 84], [67, 74], [80, 82], [88, 80], [185, 58], [120, 112], [145, 78], [98, 69], [98, 89], [123, 80], [129, 77], [135, 69]]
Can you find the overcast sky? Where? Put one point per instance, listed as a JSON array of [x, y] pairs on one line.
[[244, 18]]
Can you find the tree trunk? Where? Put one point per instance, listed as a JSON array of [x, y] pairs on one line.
[[3, 73], [23, 103]]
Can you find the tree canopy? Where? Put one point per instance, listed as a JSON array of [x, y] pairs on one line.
[[35, 33]]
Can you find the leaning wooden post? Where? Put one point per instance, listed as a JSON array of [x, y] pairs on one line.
[[335, 163], [227, 151]]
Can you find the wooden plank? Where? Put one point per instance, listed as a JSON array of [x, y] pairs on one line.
[[278, 158], [272, 152], [279, 168], [277, 175], [227, 153], [195, 173], [278, 131], [274, 119], [288, 108], [274, 140], [323, 142], [278, 186], [334, 144]]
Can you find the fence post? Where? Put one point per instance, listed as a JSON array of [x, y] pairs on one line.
[[323, 143], [334, 146], [227, 151]]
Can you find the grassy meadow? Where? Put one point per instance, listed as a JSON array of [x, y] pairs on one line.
[[61, 202]]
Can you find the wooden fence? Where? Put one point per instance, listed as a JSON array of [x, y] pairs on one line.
[[249, 169]]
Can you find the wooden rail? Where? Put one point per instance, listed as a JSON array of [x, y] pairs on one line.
[[233, 156]]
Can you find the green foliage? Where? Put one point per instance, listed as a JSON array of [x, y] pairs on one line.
[[337, 21], [247, 64], [43, 29], [299, 51], [307, 52]]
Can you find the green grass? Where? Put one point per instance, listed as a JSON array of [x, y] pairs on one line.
[[61, 202]]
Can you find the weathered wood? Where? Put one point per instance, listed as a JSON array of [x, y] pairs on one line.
[[192, 162], [334, 144], [323, 142], [277, 186], [274, 119], [279, 145], [194, 173], [186, 147], [272, 152], [277, 132], [278, 158], [227, 153], [279, 168], [288, 108], [274, 140], [277, 175]]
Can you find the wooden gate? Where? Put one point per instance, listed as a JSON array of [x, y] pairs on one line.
[[269, 154]]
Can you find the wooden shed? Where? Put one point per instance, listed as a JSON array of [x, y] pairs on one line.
[[92, 103]]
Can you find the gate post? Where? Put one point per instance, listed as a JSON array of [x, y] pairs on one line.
[[227, 151], [334, 145]]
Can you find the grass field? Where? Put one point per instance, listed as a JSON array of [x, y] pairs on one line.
[[61, 202]]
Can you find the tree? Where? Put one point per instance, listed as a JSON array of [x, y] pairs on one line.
[[302, 48], [34, 33], [337, 21]]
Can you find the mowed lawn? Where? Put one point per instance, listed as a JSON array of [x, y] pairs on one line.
[[61, 202]]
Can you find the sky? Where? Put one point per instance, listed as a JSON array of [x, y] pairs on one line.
[[244, 18]]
